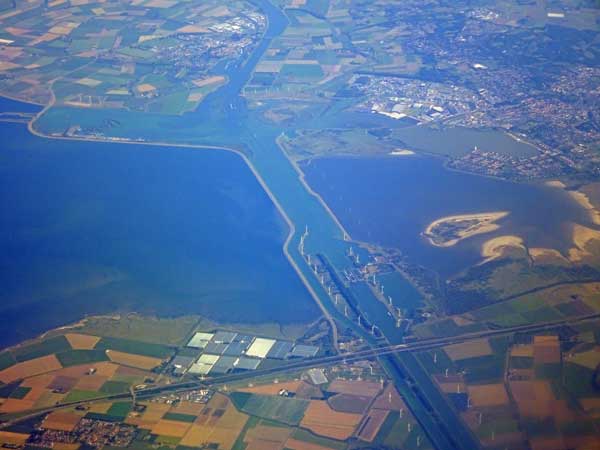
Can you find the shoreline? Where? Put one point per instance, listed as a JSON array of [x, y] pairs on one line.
[[302, 178], [251, 328], [579, 197], [16, 99], [494, 248], [290, 224], [486, 223]]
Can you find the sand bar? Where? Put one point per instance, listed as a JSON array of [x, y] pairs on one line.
[[463, 226], [494, 248]]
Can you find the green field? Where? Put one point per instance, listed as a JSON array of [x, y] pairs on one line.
[[20, 392], [77, 357], [119, 410], [77, 395], [46, 347], [307, 436], [179, 417], [6, 360], [114, 387], [135, 347], [286, 410]]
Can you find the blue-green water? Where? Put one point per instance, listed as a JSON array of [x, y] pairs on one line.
[[9, 105], [454, 141], [391, 201], [223, 119], [92, 228]]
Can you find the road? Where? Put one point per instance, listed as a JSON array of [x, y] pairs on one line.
[[293, 366]]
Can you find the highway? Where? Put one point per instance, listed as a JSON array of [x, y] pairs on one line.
[[293, 366]]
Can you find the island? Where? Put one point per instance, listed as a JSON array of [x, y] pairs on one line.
[[449, 231]]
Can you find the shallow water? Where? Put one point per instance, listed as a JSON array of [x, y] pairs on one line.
[[89, 228], [391, 200]]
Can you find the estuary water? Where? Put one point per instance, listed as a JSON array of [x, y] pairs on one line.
[[391, 200], [89, 228], [224, 119]]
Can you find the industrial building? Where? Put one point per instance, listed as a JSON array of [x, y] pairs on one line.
[[226, 351]]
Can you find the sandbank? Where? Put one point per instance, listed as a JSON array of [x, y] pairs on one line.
[[401, 152], [494, 248], [582, 237], [486, 223]]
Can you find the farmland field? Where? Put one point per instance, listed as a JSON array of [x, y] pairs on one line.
[[285, 410]]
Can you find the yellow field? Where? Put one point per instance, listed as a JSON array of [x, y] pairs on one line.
[[390, 400], [524, 350], [65, 446], [546, 349], [30, 368], [35, 394], [106, 369], [534, 398], [171, 428], [186, 407], [100, 408], [322, 420], [62, 421], [7, 437], [154, 412], [199, 435], [39, 381], [82, 341], [589, 359], [129, 359], [91, 382], [372, 425], [268, 434], [16, 404], [354, 387], [273, 389], [224, 431], [49, 399], [469, 349], [488, 395]]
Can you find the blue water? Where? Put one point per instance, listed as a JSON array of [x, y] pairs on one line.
[[403, 294], [228, 122], [391, 200], [91, 228], [9, 105]]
